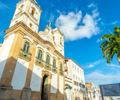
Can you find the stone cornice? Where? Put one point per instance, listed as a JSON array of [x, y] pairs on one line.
[[21, 26], [57, 52], [28, 15]]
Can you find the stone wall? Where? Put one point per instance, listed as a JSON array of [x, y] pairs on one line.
[[9, 94], [35, 96], [25, 94]]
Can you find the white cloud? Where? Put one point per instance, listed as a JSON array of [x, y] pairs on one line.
[[102, 78], [92, 5], [114, 22], [94, 64], [76, 26], [3, 6], [113, 65], [95, 13]]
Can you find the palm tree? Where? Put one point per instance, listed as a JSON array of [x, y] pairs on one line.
[[111, 45]]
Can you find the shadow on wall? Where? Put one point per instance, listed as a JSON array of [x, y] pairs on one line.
[[22, 86]]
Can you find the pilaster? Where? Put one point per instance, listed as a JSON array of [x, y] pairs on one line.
[[11, 61], [31, 65], [26, 92]]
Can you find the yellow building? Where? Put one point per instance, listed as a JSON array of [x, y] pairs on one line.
[[31, 62]]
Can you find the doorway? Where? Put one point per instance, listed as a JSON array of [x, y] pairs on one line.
[[45, 88]]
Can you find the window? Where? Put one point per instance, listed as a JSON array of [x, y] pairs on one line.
[[54, 65], [61, 40], [61, 68], [30, 25], [26, 47], [40, 54], [33, 11], [48, 60]]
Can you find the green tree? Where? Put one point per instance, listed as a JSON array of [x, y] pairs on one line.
[[111, 45]]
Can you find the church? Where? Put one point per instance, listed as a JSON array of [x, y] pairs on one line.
[[31, 61]]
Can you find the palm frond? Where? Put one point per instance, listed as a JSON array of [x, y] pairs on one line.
[[107, 36], [106, 51], [110, 56], [104, 44], [111, 45], [118, 54]]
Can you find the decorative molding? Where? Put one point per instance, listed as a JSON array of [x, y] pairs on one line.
[[39, 63], [22, 27], [47, 73], [28, 38], [25, 56]]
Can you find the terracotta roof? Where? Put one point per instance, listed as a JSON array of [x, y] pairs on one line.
[[89, 85]]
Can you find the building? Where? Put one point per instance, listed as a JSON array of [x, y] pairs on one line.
[[68, 81], [31, 62], [92, 92], [74, 79]]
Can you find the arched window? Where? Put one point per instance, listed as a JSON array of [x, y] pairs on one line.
[[26, 47], [48, 60], [40, 54], [33, 11]]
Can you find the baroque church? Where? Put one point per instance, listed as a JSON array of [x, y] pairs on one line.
[[31, 61]]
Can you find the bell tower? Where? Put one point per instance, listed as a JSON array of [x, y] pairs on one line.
[[28, 12]]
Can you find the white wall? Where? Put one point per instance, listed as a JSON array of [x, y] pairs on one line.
[[54, 83], [68, 94], [19, 76], [36, 78], [77, 74], [5, 51], [61, 84]]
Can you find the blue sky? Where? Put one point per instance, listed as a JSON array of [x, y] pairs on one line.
[[83, 22]]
